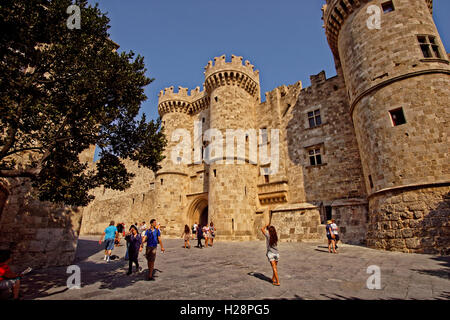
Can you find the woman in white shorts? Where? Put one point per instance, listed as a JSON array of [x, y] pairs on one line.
[[270, 233]]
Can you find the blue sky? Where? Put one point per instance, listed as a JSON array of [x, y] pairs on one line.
[[283, 39]]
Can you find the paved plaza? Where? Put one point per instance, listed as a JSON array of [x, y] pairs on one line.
[[240, 270]]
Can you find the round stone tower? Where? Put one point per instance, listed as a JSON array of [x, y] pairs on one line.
[[397, 72], [234, 93], [172, 180]]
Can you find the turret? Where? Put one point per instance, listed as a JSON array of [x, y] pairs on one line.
[[172, 180], [234, 92]]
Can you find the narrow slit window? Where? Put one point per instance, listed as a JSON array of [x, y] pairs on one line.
[[266, 178], [370, 181], [398, 117], [388, 6]]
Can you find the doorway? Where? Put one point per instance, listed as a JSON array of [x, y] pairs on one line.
[[198, 211], [204, 217]]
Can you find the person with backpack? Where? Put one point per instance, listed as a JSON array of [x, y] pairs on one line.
[[152, 238], [270, 233]]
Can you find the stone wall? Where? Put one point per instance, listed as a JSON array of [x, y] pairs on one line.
[[298, 223], [340, 174], [136, 204], [39, 234], [352, 220], [411, 220]]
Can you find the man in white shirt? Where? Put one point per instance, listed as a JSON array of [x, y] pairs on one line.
[[194, 229], [335, 231]]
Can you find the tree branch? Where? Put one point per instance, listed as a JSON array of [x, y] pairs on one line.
[[30, 173], [23, 149]]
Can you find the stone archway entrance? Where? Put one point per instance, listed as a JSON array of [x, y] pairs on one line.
[[198, 211]]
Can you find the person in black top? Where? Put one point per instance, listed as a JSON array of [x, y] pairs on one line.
[[199, 237]]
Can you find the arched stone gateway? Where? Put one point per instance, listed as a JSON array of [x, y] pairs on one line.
[[198, 211]]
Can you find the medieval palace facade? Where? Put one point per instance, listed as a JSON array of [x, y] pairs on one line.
[[368, 147]]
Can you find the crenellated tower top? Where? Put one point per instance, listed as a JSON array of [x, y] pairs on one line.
[[181, 101], [232, 73], [335, 12], [217, 74]]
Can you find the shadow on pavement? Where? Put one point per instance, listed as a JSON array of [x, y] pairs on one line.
[[296, 297], [443, 272], [87, 248], [50, 281], [260, 276]]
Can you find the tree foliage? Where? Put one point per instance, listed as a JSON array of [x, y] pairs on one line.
[[63, 90]]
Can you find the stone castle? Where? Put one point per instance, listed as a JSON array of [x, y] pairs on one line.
[[367, 147]]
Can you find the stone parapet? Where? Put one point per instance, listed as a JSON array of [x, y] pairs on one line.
[[232, 73]]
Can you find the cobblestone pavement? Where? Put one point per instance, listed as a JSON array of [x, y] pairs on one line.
[[240, 270]]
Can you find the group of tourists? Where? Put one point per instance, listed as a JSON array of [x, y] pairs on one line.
[[138, 235], [135, 238], [201, 232]]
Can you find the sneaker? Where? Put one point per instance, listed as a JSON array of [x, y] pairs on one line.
[[105, 258], [128, 273]]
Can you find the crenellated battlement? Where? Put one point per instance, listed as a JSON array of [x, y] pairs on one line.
[[181, 101], [235, 73], [335, 12]]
